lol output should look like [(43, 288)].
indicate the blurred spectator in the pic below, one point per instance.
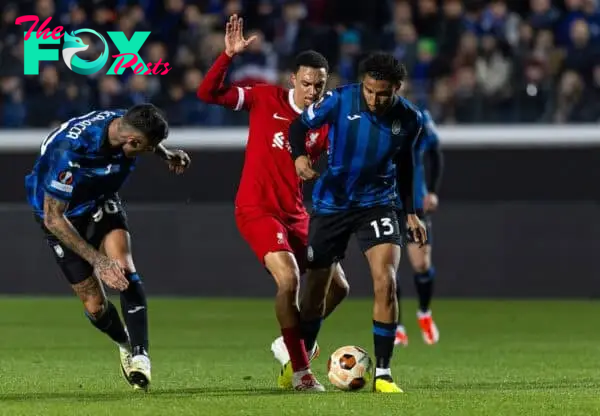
[(13, 105), (44, 107), (533, 95), (258, 64), (467, 96), (469, 61), (569, 97), (493, 69), (427, 19), (543, 14), (582, 55), (350, 49)]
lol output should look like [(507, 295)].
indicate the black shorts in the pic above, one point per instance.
[(408, 235), (328, 235), (93, 227)]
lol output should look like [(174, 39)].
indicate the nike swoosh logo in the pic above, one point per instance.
[(74, 165), (136, 309), (353, 117), (278, 117)]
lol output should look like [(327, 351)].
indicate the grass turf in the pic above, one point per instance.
[(211, 357)]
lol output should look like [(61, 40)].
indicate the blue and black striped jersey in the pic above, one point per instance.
[(77, 166), (364, 149)]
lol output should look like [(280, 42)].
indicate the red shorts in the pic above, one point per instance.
[(267, 234)]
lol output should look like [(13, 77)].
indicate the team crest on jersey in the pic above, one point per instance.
[(65, 177), (59, 251), (312, 139), (396, 127)]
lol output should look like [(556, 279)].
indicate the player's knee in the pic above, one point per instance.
[(94, 306), (421, 265), (287, 284), (341, 290), (340, 286), (126, 261)]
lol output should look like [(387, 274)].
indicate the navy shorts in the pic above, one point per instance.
[(93, 227), (328, 235)]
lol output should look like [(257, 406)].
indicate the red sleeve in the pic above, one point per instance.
[(321, 143), (213, 90)]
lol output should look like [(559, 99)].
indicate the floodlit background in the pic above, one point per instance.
[(514, 86)]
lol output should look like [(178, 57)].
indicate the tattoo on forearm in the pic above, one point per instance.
[(63, 230)]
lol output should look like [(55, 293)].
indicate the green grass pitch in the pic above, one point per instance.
[(212, 357)]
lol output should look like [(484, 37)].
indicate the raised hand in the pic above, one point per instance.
[(234, 36)]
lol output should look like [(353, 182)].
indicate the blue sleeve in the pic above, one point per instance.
[(418, 134), (63, 173), (431, 131), (323, 111)]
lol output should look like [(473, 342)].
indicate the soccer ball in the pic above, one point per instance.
[(349, 368)]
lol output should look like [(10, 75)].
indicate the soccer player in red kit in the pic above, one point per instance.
[(269, 209)]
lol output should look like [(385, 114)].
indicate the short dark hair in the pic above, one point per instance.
[(383, 67), (311, 59), (148, 120)]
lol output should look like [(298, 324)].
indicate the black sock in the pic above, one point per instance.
[(424, 286), (383, 338), (309, 331), (135, 314), (399, 295), (110, 323)]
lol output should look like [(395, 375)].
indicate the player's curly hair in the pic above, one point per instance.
[(383, 67), (311, 59), (148, 120)]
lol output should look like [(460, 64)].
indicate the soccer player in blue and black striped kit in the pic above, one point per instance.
[(372, 133), (419, 255), (73, 192)]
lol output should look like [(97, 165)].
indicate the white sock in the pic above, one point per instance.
[(302, 373), (426, 314), (400, 328), (383, 372)]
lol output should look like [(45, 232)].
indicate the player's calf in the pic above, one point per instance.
[(424, 273), (313, 303), (383, 261), (100, 311), (134, 307), (424, 278), (284, 269), (116, 245)]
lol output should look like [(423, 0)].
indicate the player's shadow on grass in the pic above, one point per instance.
[(125, 395)]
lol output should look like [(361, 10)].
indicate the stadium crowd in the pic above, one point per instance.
[(469, 61)]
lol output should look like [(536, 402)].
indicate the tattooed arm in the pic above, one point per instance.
[(106, 269), (61, 227)]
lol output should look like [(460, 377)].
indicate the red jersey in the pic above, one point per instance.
[(269, 181)]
